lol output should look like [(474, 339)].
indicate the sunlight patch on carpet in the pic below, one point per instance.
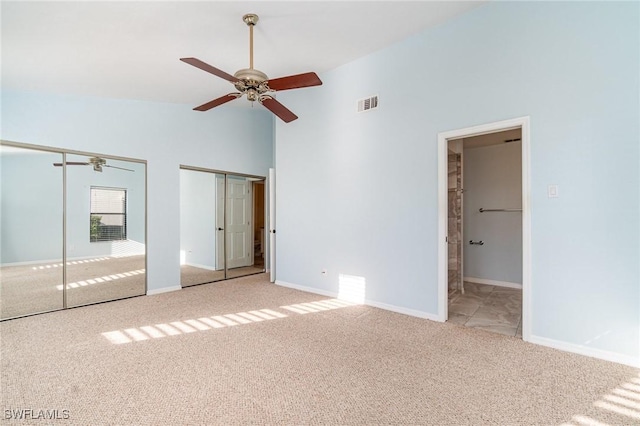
[(318, 306), (175, 328), (623, 401)]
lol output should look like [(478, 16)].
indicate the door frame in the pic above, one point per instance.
[(524, 124), (271, 224)]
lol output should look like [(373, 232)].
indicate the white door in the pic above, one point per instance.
[(238, 231), (219, 222)]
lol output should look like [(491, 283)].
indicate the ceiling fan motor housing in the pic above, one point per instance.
[(252, 82)]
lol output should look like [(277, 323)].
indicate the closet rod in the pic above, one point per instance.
[(499, 210)]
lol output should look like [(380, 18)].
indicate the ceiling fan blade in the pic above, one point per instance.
[(297, 81), (116, 167), (208, 68), (278, 109), (219, 101), (71, 163)]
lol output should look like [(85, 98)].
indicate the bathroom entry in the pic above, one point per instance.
[(484, 236)]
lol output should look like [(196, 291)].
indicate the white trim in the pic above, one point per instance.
[(163, 290), (586, 350), (443, 137), (493, 282), (402, 310), (307, 289), (372, 303), (271, 225)]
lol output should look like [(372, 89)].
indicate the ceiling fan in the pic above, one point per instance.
[(97, 163), (254, 83)]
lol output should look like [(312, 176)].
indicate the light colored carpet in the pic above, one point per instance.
[(248, 352)]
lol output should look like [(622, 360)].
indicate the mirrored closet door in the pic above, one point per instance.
[(72, 227), (222, 220), (31, 202), (105, 229)]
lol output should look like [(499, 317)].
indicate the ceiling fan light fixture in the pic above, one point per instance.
[(252, 95)]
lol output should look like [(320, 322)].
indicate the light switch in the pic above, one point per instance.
[(553, 191)]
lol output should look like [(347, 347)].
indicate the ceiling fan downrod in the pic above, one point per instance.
[(252, 82), (251, 20)]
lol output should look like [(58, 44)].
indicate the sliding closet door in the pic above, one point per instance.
[(105, 229), (31, 219), (222, 226), (202, 225)]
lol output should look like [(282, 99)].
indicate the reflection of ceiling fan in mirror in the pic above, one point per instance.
[(97, 163), (254, 83)]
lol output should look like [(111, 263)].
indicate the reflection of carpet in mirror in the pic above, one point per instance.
[(26, 289), (191, 275)]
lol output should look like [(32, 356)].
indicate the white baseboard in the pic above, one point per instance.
[(402, 310), (493, 282), (373, 303), (163, 290), (586, 350), (307, 289)]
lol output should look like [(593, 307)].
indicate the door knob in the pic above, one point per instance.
[(220, 229)]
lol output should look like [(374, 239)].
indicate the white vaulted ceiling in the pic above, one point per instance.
[(131, 50)]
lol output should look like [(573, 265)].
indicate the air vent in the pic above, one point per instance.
[(367, 104)]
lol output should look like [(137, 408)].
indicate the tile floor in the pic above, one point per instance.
[(487, 307)]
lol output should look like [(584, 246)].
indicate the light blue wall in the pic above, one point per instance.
[(359, 191), (166, 135)]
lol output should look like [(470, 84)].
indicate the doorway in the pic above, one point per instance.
[(484, 227)]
